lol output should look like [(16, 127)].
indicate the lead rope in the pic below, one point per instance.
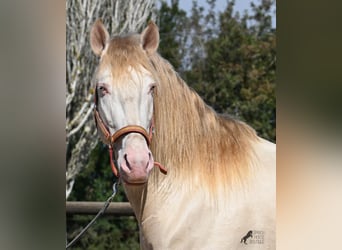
[(103, 209)]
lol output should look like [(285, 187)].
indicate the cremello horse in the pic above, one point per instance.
[(220, 181)]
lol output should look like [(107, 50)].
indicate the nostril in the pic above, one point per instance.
[(150, 159), (127, 162)]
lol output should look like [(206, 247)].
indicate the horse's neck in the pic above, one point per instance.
[(146, 200), (166, 214)]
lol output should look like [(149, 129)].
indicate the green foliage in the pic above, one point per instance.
[(172, 33), (237, 74), (108, 232)]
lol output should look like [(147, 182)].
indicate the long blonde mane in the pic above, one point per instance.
[(198, 146)]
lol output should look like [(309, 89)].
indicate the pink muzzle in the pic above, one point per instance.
[(137, 162)]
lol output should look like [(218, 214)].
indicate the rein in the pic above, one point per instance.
[(111, 139)]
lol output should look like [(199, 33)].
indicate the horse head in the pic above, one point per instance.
[(124, 86)]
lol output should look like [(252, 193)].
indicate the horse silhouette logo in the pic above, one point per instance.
[(245, 238)]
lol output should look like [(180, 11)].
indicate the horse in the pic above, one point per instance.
[(216, 177), (245, 238)]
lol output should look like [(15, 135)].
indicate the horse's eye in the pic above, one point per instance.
[(152, 87), (102, 90)]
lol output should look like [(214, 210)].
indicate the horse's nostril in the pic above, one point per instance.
[(127, 162)]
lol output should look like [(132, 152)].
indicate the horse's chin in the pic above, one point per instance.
[(134, 181)]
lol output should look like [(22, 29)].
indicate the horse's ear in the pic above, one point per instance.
[(150, 38), (99, 37)]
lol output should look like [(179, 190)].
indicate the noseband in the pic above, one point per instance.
[(111, 139)]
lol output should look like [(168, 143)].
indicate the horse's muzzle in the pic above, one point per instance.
[(135, 165)]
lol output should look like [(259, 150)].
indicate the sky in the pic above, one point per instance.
[(240, 5)]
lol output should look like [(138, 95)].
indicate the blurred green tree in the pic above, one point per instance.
[(173, 23), (95, 184), (236, 75)]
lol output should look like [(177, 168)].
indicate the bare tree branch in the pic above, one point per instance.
[(119, 16)]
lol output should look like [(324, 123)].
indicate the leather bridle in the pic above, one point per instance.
[(111, 139)]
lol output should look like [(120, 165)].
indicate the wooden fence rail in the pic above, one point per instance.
[(86, 207)]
